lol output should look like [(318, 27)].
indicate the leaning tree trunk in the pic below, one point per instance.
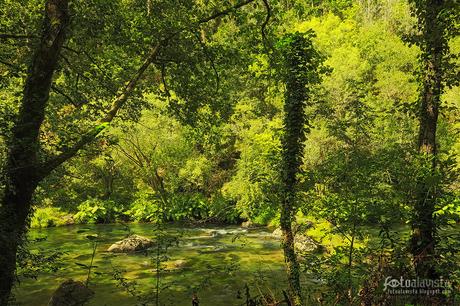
[(22, 170), (434, 47), (300, 69)]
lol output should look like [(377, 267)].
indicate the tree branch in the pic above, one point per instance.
[(225, 12), (17, 36), (120, 100), (267, 19), (68, 98), (210, 59)]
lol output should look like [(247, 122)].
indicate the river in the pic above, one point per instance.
[(214, 262)]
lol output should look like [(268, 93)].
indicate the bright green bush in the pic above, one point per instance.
[(144, 209), (178, 207), (255, 185), (48, 217), (97, 211), (187, 207), (222, 210)]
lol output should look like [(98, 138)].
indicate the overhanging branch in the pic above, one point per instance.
[(121, 99)]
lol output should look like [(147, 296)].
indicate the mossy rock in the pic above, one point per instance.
[(133, 243), (71, 293)]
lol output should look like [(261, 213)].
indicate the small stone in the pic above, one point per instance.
[(214, 234), (250, 224), (302, 243)]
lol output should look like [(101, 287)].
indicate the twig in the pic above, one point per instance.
[(211, 61), (16, 36), (59, 91)]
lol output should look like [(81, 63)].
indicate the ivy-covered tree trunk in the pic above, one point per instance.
[(434, 46), (300, 69), (22, 169)]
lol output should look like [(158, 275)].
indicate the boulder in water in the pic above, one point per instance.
[(71, 293), (250, 224), (133, 243), (247, 224)]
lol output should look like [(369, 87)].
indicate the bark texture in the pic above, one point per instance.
[(423, 224), (22, 167)]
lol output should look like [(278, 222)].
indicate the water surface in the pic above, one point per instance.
[(214, 262)]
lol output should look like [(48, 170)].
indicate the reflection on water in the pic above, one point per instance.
[(214, 261)]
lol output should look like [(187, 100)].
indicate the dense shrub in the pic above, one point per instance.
[(48, 217), (98, 211), (145, 208)]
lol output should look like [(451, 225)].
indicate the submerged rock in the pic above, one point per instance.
[(71, 293), (131, 244), (215, 233)]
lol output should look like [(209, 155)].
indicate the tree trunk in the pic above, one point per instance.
[(22, 170), (423, 224), (301, 69), (292, 147), (294, 136), (292, 265)]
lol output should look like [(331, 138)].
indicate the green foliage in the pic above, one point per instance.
[(98, 211), (253, 187), (145, 208), (448, 211), (34, 260), (187, 207), (48, 217), (222, 210), (202, 136)]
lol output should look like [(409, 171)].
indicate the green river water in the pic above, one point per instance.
[(215, 262)]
